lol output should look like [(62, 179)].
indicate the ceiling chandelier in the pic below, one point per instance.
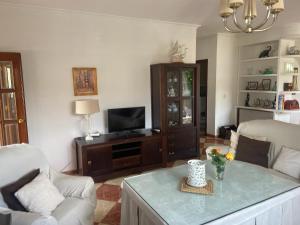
[(230, 8)]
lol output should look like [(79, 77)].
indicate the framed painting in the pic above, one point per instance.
[(84, 81)]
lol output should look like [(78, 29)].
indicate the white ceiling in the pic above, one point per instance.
[(201, 12)]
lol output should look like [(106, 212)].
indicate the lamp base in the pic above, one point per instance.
[(89, 138)]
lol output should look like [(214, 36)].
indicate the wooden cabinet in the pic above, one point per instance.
[(175, 108), (111, 155), (98, 159)]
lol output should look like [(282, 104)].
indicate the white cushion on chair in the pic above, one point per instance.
[(40, 196), (288, 162)]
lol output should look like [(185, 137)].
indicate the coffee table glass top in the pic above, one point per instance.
[(243, 185)]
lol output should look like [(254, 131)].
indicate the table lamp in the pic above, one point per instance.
[(86, 108)]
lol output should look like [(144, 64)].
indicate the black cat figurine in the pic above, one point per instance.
[(266, 52)]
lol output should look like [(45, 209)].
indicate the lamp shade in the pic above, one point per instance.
[(85, 107), (278, 7), (225, 11)]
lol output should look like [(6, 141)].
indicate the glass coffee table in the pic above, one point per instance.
[(246, 189)]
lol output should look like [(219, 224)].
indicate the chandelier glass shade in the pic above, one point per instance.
[(229, 8)]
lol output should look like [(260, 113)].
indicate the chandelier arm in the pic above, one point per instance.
[(236, 21), (267, 28), (228, 28), (266, 18)]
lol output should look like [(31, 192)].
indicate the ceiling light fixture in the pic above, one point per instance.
[(230, 7)]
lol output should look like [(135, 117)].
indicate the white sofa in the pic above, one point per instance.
[(79, 192), (278, 133)]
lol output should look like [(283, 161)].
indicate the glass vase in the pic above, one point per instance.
[(220, 169)]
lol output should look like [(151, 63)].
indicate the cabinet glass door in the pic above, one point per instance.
[(173, 113), (187, 82), (173, 84), (187, 94), (187, 111)]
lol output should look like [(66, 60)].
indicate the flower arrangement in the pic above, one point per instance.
[(220, 160)]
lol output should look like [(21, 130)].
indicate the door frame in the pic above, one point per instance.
[(15, 58), (205, 62)]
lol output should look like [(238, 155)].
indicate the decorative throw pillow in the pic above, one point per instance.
[(253, 151), (288, 162), (8, 191), (234, 139), (40, 196)]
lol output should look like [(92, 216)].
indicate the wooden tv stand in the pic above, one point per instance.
[(113, 155)]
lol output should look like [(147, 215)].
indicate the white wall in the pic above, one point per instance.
[(207, 49), (53, 41), (221, 51), (226, 81)]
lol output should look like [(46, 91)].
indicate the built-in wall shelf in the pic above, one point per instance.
[(260, 59), (290, 92), (257, 108), (258, 91), (269, 110), (260, 75), (280, 67), (290, 56), (290, 74), (288, 111)]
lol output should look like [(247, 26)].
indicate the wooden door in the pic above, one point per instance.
[(13, 126)]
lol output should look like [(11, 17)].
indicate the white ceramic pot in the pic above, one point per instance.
[(196, 173)]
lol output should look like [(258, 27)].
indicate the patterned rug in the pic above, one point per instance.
[(108, 209)]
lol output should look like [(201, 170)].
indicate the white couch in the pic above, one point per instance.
[(79, 192), (278, 133)]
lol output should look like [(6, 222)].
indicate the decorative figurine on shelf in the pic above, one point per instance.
[(171, 92), (266, 53), (247, 100), (266, 71), (293, 50), (274, 103), (177, 52)]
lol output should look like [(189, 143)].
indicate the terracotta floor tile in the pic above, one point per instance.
[(114, 215), (103, 207), (109, 192)]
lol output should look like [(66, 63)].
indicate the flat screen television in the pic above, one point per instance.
[(125, 119)]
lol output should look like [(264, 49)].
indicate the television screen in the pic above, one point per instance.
[(126, 119)]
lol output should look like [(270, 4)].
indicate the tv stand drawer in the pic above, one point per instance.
[(126, 162)]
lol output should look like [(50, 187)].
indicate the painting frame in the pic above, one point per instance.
[(266, 84), (252, 85), (85, 81)]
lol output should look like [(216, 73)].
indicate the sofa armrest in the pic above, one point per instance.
[(28, 218), (74, 186)]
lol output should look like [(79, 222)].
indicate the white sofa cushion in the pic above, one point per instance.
[(40, 196), (288, 162)]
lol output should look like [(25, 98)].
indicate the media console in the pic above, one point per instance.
[(113, 155)]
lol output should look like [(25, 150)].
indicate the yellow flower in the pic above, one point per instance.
[(229, 156)]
